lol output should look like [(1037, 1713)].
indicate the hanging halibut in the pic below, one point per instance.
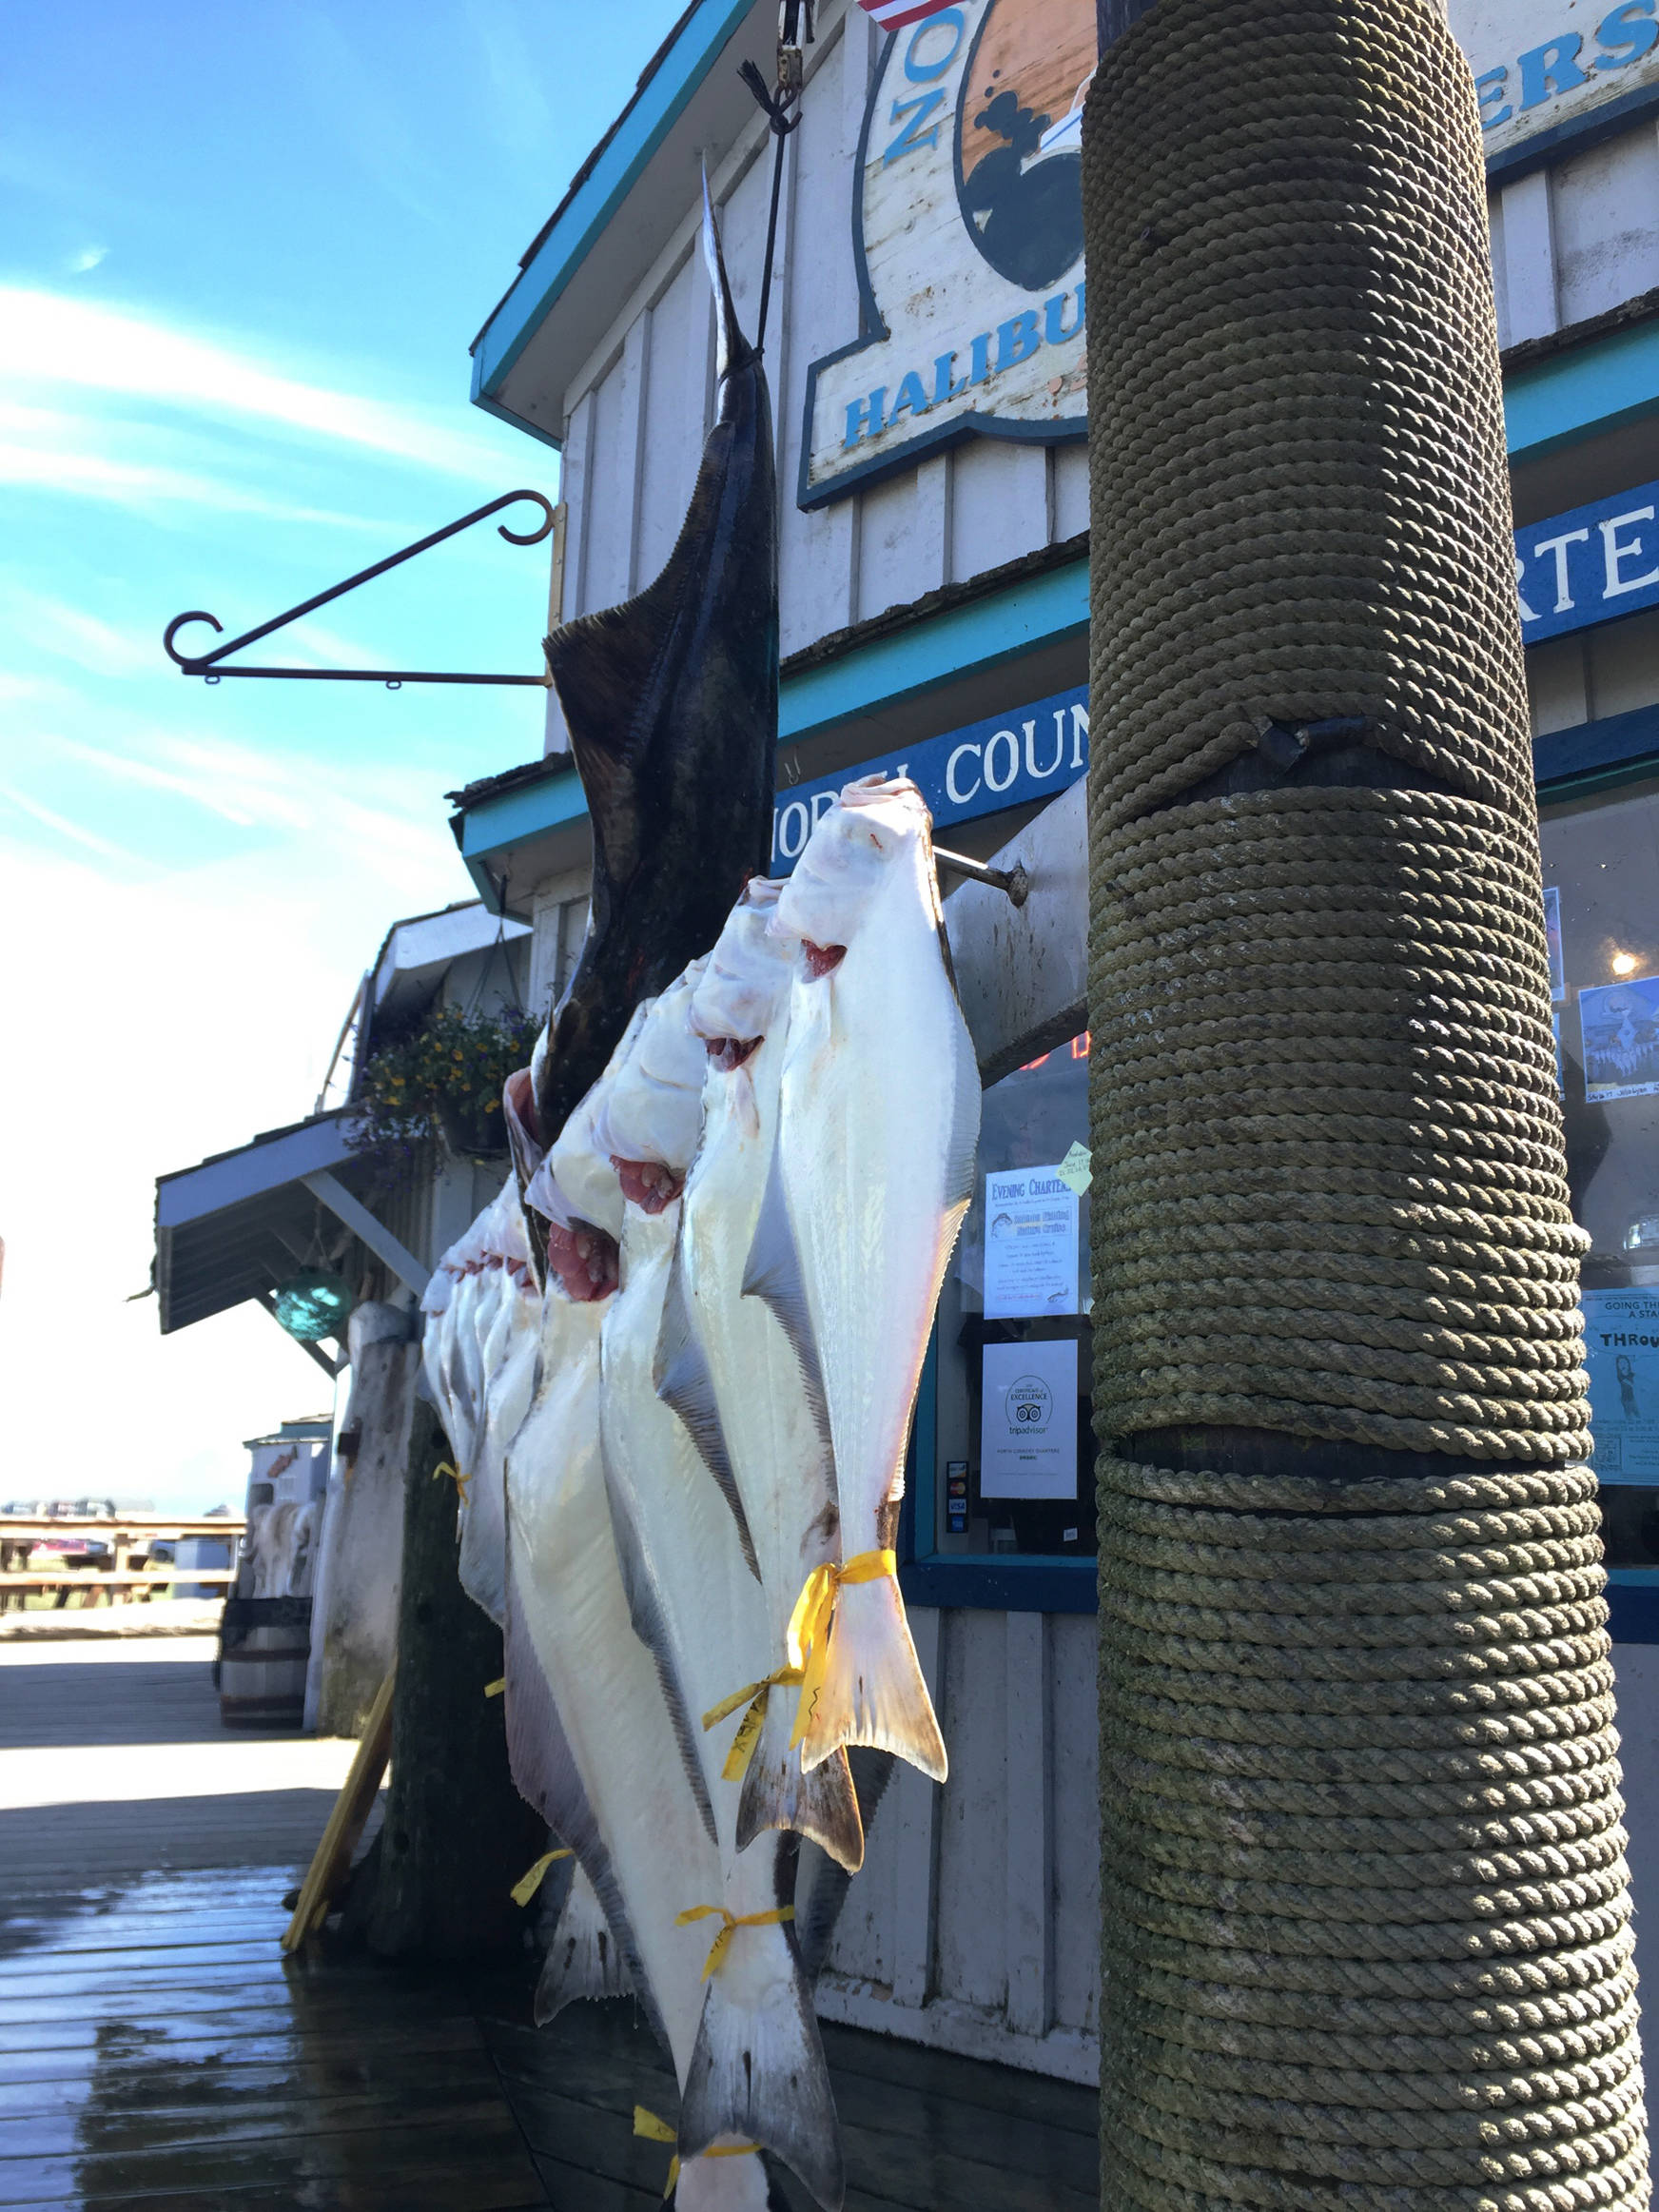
[(725, 1363), (671, 701), (757, 2071), (878, 1129)]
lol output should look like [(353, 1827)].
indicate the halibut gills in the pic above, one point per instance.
[(671, 701), (757, 2071), (726, 1357), (878, 1132)]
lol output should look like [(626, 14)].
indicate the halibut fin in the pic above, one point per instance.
[(583, 1958), (545, 1774), (649, 1616), (777, 1794), (680, 1373), (773, 1274), (873, 1691), (758, 2074)]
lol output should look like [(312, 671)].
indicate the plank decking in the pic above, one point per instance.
[(157, 2052)]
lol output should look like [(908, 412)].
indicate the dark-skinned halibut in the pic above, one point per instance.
[(671, 701)]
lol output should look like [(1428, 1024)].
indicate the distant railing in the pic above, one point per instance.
[(126, 1534)]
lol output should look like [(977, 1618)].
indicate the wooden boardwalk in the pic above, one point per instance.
[(157, 2052)]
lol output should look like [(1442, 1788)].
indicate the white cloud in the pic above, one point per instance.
[(88, 259), (70, 633), (53, 341), (85, 475), (61, 826), (153, 1021)]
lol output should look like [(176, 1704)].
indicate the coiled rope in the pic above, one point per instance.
[(1366, 1911)]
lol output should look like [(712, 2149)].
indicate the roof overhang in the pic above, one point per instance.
[(242, 1223), (689, 106)]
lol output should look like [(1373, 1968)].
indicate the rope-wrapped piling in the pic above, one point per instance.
[(1366, 1911)]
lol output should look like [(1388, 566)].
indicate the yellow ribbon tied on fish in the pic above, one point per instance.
[(448, 1467), (523, 1889), (654, 2130), (812, 1623), (498, 1687), (733, 1922), (755, 1696)]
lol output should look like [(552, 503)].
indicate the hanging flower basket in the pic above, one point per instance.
[(440, 1084)]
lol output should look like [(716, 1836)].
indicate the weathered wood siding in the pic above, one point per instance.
[(638, 414), (975, 1924)]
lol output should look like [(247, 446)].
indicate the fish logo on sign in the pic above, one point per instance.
[(967, 227)]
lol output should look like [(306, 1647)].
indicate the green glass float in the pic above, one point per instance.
[(314, 1303)]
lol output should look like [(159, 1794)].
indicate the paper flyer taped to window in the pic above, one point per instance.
[(1620, 1023), (1621, 1344), (1031, 1244), (1028, 1420), (1552, 934)]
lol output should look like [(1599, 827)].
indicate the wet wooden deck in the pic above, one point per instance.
[(157, 2050)]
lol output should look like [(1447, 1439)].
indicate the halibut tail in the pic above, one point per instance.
[(778, 1793), (584, 1959), (863, 1681), (758, 2072)]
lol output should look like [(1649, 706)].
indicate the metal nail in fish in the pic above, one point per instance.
[(758, 2072), (671, 701), (877, 1134), (729, 1367)]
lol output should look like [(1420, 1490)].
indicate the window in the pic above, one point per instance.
[(1601, 896), (1004, 1467)]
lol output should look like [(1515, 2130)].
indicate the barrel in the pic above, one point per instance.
[(265, 1646)]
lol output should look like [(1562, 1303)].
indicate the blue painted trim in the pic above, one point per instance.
[(1579, 135), (644, 125), (1037, 611), (1633, 1605), (506, 415), (1616, 741), (1594, 389), (1003, 1585), (510, 818)]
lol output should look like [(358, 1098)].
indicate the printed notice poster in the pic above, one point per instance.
[(1031, 1244), (1621, 1343), (1029, 1422), (1553, 934), (1621, 1040)]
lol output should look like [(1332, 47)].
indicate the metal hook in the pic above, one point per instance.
[(1015, 881), (205, 664)]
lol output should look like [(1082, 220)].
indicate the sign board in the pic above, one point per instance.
[(1030, 1244), (1539, 64), (1007, 760), (967, 235), (1028, 1420), (1589, 566), (1621, 1349), (968, 212)]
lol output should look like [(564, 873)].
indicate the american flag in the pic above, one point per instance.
[(895, 14)]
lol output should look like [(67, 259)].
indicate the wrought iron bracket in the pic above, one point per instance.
[(209, 665)]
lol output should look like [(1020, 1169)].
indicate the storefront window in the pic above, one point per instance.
[(1012, 1455), (1601, 896)]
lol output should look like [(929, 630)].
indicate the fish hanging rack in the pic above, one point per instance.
[(212, 666)]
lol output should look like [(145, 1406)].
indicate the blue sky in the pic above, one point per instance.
[(243, 252)]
